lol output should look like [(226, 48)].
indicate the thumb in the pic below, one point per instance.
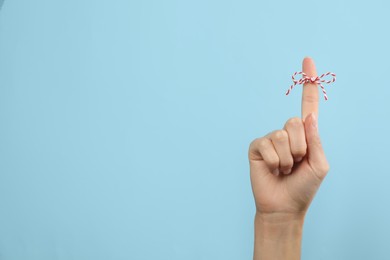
[(316, 155)]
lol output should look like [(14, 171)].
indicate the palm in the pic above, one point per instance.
[(284, 193)]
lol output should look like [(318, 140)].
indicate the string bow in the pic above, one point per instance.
[(316, 80)]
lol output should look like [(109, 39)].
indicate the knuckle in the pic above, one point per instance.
[(287, 164), (262, 143), (299, 151), (252, 144), (273, 162), (325, 168), (280, 136), (256, 146), (311, 99), (294, 122)]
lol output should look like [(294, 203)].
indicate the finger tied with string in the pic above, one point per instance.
[(319, 80)]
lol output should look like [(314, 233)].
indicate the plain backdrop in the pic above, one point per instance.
[(125, 125)]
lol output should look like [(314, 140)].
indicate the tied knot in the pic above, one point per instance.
[(313, 79), (316, 80)]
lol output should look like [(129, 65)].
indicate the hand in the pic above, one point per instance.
[(287, 166)]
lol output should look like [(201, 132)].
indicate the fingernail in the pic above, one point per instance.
[(287, 172), (276, 172)]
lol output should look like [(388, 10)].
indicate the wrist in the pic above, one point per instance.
[(278, 236), (279, 225), (279, 218)]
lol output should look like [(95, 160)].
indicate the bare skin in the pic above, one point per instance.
[(287, 167)]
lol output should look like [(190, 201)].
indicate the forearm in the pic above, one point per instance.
[(278, 237)]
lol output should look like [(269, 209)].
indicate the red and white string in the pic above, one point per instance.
[(316, 80)]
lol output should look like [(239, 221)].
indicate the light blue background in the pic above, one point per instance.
[(125, 125)]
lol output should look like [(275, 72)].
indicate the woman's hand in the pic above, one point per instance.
[(287, 167)]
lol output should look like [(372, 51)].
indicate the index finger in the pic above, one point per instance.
[(310, 90)]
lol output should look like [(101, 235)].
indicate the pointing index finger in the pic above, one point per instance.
[(310, 90)]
